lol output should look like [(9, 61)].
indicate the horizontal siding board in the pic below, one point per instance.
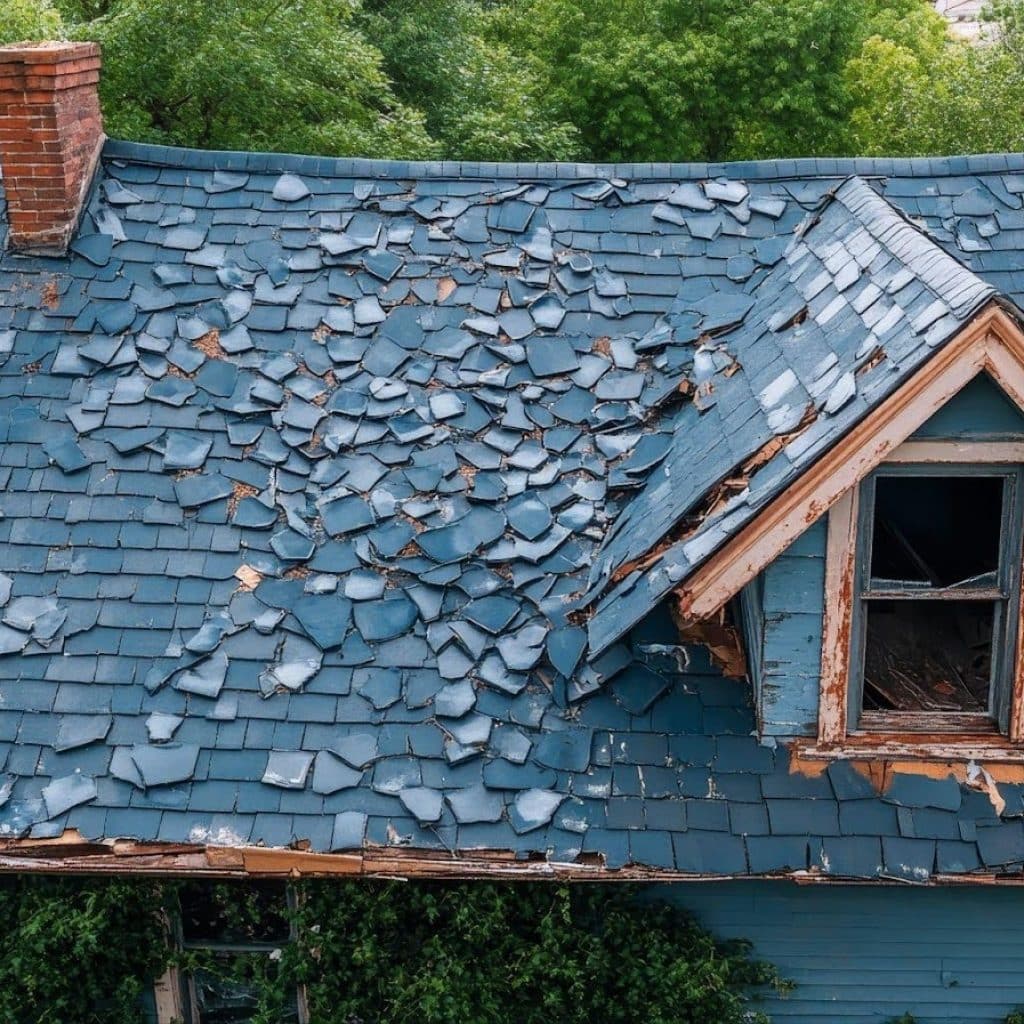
[(865, 955), (981, 409)]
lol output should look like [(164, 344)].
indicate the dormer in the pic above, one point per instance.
[(891, 626), (866, 539)]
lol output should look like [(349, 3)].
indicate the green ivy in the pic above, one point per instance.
[(83, 951), (78, 951), (384, 953)]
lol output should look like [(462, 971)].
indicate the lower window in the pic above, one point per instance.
[(232, 936)]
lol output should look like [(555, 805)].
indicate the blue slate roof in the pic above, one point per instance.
[(786, 359), (313, 471)]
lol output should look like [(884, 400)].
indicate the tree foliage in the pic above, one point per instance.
[(29, 19), (81, 951), (481, 100), (250, 74), (914, 90), (548, 79), (666, 80)]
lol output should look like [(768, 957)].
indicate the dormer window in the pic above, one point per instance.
[(921, 654), (937, 572)]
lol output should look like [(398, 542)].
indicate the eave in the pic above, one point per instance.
[(70, 854)]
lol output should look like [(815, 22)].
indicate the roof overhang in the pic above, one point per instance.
[(70, 854)]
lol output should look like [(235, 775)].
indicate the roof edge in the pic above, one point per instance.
[(781, 169), (70, 854)]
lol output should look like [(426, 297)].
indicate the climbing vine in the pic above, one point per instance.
[(76, 951), (84, 951)]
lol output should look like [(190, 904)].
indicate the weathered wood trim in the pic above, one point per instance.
[(945, 747), (840, 569), (1004, 360), (1016, 716), (396, 864), (167, 989), (167, 996), (172, 860), (971, 723), (991, 341), (981, 452)]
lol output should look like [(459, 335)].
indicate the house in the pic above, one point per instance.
[(655, 522), (964, 17)]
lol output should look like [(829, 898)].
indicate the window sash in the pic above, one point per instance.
[(1004, 596)]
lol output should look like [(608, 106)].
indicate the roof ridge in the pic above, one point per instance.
[(907, 242), (775, 169)]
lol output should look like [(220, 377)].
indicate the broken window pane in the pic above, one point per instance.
[(922, 655), (228, 993), (238, 932), (936, 531)]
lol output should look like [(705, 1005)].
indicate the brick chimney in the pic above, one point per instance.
[(51, 132)]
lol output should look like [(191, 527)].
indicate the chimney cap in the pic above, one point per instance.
[(47, 51)]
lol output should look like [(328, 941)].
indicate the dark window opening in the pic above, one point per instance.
[(255, 914), (936, 531), (237, 933), (938, 570)]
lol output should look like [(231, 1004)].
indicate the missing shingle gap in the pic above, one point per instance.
[(238, 492), (876, 357), (49, 295), (794, 321), (248, 578), (718, 636), (718, 497), (209, 345)]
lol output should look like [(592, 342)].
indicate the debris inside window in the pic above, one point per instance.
[(928, 655)]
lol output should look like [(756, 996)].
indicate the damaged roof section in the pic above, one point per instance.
[(304, 465), (859, 299)]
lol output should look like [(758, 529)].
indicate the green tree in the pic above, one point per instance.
[(481, 100), (29, 19), (249, 74), (922, 92), (674, 80)]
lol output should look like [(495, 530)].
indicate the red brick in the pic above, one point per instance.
[(50, 133)]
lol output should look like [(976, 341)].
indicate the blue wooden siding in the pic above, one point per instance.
[(786, 634), (866, 954), (980, 410)]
